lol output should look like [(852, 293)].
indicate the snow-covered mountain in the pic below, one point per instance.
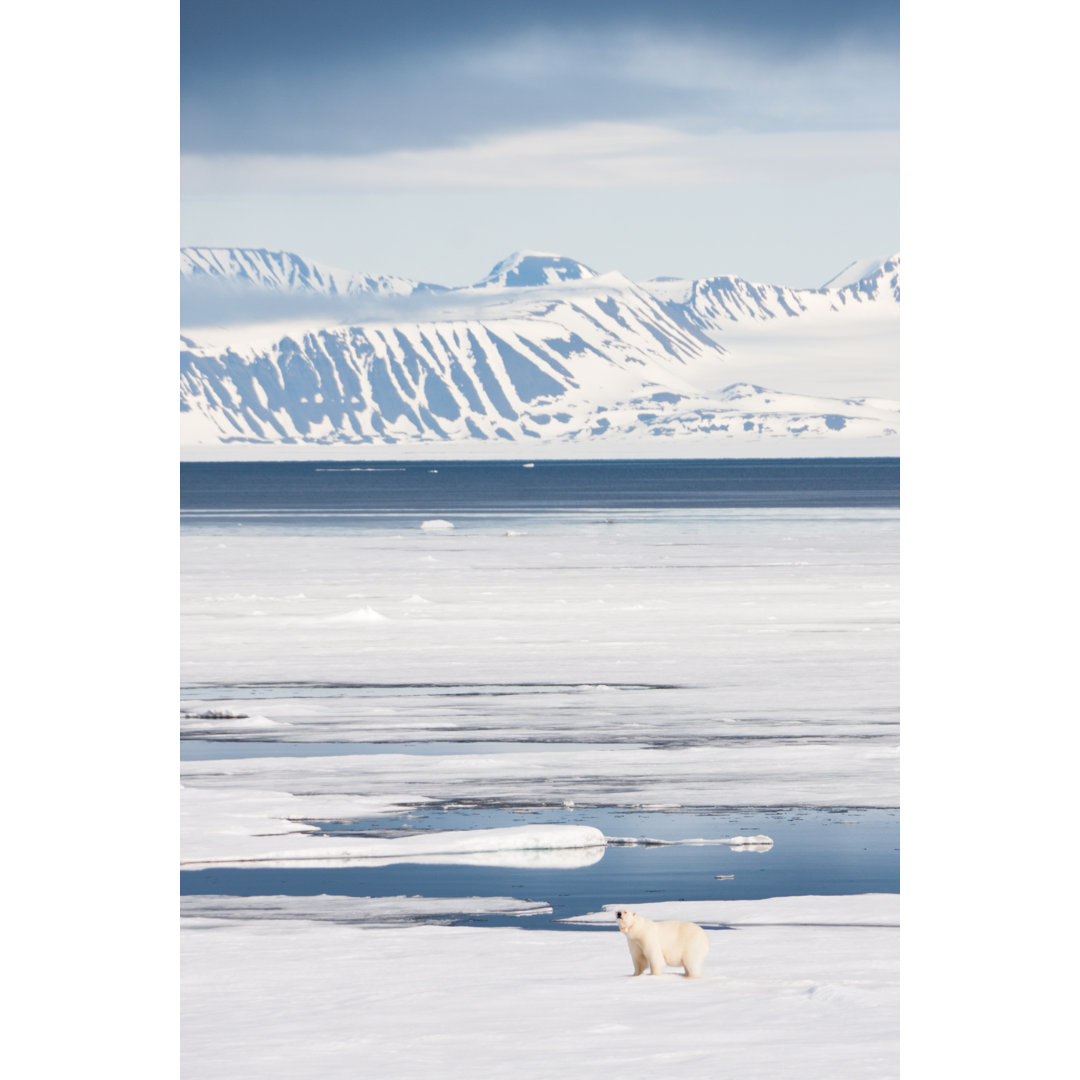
[(543, 350), (868, 279), (529, 268), (281, 272)]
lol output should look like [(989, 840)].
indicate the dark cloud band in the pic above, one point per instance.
[(358, 77)]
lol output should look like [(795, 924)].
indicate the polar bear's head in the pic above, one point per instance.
[(625, 919)]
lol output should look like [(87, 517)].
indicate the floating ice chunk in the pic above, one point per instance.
[(529, 465), (436, 523), (750, 843), (364, 614), (515, 532)]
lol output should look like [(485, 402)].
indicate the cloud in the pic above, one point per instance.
[(373, 100), (208, 303), (592, 155)]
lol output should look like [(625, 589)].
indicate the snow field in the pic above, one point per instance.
[(306, 998)]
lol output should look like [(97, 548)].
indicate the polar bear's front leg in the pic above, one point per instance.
[(637, 954)]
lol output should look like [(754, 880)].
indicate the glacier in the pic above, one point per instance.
[(543, 356)]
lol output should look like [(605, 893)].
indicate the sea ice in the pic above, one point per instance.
[(750, 661), (356, 910), (795, 993), (863, 909), (229, 826)]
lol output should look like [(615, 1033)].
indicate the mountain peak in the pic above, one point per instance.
[(525, 268), (864, 270)]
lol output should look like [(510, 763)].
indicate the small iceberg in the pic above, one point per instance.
[(436, 523)]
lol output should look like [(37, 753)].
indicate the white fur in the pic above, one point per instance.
[(654, 944)]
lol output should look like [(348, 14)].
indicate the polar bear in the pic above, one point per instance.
[(654, 944)]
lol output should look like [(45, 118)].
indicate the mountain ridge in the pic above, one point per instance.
[(541, 350)]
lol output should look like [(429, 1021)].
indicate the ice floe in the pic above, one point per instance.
[(230, 826), (863, 909), (212, 722), (758, 843), (365, 910), (360, 615), (850, 772)]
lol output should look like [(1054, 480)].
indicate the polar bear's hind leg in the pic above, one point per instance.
[(694, 955)]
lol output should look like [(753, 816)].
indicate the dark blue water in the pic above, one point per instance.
[(439, 487), (815, 852)]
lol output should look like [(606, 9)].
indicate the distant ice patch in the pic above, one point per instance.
[(225, 722), (364, 614), (755, 843), (214, 714), (436, 523), (750, 843)]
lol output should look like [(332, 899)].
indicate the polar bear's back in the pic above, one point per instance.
[(681, 941)]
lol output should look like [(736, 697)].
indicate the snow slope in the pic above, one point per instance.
[(543, 352)]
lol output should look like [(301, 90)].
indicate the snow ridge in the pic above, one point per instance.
[(282, 271)]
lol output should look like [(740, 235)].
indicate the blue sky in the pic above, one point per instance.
[(431, 139)]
